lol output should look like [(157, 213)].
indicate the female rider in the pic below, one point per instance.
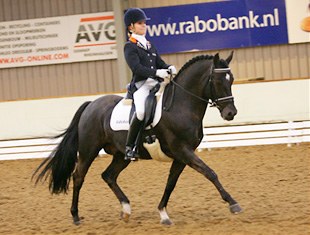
[(146, 66)]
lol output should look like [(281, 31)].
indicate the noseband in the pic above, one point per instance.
[(214, 102), (217, 101)]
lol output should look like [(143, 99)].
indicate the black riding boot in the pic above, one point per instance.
[(133, 131)]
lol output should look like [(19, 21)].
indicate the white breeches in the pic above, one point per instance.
[(140, 96)]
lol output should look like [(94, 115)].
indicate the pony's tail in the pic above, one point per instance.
[(61, 162)]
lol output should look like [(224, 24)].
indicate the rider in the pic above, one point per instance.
[(146, 66)]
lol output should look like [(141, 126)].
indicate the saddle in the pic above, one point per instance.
[(125, 108)]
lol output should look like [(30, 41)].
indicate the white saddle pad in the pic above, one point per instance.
[(120, 114)]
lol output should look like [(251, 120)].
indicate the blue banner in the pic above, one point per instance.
[(217, 25)]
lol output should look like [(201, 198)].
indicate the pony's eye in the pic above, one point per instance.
[(227, 76)]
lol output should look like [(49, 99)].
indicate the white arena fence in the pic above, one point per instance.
[(214, 137)]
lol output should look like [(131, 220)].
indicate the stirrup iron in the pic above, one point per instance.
[(131, 154)]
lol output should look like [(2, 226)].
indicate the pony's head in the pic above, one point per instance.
[(221, 81)]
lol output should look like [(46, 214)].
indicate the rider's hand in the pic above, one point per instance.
[(162, 73), (172, 69)]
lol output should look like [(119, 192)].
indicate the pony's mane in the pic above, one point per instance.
[(194, 60)]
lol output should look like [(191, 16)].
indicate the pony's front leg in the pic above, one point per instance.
[(110, 176), (175, 171), (192, 160)]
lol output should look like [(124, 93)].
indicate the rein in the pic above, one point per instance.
[(190, 93), (214, 102)]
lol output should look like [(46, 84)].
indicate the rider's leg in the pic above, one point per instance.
[(135, 126), (136, 123)]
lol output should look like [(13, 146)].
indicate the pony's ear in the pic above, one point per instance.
[(216, 60), (229, 58)]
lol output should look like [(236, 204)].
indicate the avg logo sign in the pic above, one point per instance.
[(96, 31)]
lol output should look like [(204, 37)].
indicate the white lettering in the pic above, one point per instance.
[(223, 23), (211, 25), (190, 28), (233, 23), (200, 25), (253, 20), (220, 23)]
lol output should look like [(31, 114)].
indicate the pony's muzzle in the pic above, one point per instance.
[(229, 112)]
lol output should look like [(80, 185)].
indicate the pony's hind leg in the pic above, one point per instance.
[(83, 164), (110, 176)]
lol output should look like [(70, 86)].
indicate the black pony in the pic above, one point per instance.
[(179, 132)]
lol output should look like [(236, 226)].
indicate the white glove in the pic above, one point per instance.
[(162, 73), (173, 69)]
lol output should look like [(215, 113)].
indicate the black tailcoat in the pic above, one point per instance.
[(142, 62)]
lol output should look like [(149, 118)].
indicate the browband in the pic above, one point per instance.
[(221, 70)]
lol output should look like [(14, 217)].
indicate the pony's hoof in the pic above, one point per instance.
[(235, 209), (125, 216), (166, 222), (77, 221)]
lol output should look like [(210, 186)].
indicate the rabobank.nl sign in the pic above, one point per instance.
[(217, 25)]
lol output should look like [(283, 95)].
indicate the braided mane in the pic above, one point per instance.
[(194, 60)]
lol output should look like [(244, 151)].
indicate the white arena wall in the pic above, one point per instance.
[(263, 102), (266, 102)]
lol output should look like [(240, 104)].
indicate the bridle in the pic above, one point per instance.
[(217, 101), (214, 102)]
